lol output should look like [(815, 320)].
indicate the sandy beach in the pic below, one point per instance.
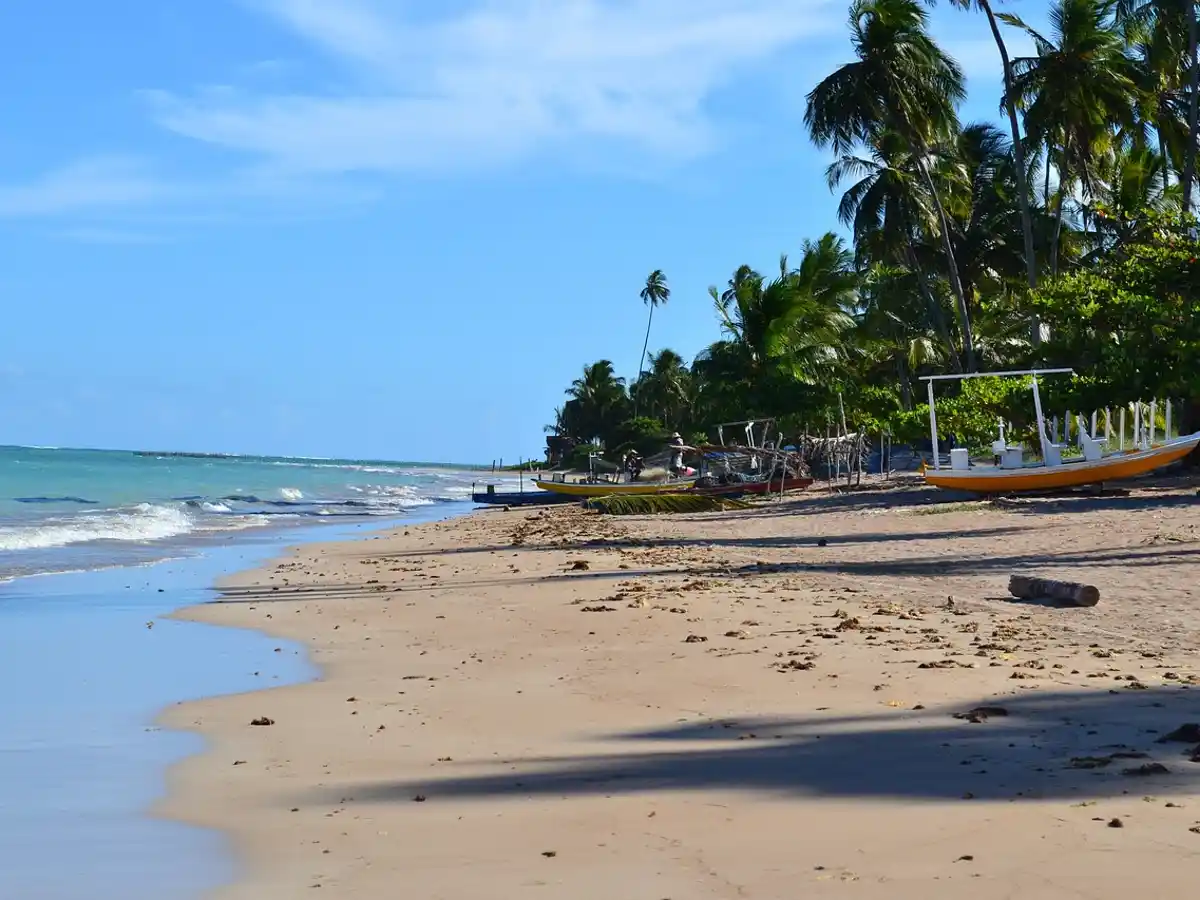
[(832, 696)]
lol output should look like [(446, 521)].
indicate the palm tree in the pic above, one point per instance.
[(598, 401), (655, 293), (901, 81), (891, 215), (1018, 147), (1193, 134), (666, 388), (1075, 92)]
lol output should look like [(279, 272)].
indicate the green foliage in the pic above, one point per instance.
[(643, 434), (577, 459), (658, 504), (1131, 323)]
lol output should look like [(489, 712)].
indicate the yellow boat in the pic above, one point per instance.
[(1072, 473), (1011, 475), (608, 488)]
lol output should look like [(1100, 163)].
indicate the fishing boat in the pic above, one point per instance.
[(1011, 474), (492, 497), (586, 488)]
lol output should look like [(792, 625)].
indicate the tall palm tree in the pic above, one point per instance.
[(1075, 92), (655, 293), (1018, 147), (598, 401), (901, 81)]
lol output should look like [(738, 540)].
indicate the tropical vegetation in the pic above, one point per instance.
[(1065, 239)]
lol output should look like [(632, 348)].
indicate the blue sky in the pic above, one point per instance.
[(388, 228)]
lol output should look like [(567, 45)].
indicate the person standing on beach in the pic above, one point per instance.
[(677, 446)]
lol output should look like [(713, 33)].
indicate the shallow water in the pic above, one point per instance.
[(84, 675)]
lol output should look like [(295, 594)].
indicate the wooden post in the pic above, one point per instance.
[(1153, 422), (1167, 437), (1093, 435), (1028, 587), (1107, 426), (1122, 417)]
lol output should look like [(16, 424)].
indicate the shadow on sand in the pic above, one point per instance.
[(1045, 745)]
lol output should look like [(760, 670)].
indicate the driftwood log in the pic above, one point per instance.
[(1029, 588)]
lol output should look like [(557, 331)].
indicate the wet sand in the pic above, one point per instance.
[(832, 696)]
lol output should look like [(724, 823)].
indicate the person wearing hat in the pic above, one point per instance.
[(677, 446)]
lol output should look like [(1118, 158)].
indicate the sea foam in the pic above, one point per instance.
[(141, 523)]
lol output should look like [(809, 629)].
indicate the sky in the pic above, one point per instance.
[(390, 228)]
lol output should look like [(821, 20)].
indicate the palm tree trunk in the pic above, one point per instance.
[(935, 309), (1189, 166), (1058, 217), (964, 313), (1010, 106), (1166, 162), (642, 361)]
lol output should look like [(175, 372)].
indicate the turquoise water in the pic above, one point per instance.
[(67, 510), (88, 660)]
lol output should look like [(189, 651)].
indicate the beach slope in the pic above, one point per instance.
[(830, 697)]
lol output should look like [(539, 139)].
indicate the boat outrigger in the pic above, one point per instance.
[(1012, 474)]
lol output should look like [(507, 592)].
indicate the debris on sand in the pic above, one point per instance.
[(695, 639), (1188, 733), (1152, 768), (600, 608), (1089, 762), (982, 714), (262, 720), (795, 665), (580, 565)]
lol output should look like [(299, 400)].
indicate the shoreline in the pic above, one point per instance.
[(681, 744), (75, 714)]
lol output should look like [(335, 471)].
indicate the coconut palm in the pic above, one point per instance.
[(665, 389), (891, 214), (901, 81), (656, 293), (599, 402), (1075, 92), (1010, 108)]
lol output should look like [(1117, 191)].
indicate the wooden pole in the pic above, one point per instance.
[(1028, 587), (933, 426), (1153, 421), (1167, 436), (1093, 425), (1122, 417)]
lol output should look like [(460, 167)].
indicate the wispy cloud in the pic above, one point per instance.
[(103, 182), (498, 82)]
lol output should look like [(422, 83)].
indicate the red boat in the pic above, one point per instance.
[(764, 486)]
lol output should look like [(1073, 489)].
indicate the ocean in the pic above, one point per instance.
[(89, 654), (73, 510)]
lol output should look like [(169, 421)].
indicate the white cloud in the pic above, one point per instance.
[(499, 81), (89, 184)]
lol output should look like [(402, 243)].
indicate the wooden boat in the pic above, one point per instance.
[(1052, 472), (1070, 473), (580, 489), (737, 488), (493, 497)]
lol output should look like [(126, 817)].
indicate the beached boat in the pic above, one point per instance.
[(1052, 472), (581, 489), (758, 487), (493, 497)]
